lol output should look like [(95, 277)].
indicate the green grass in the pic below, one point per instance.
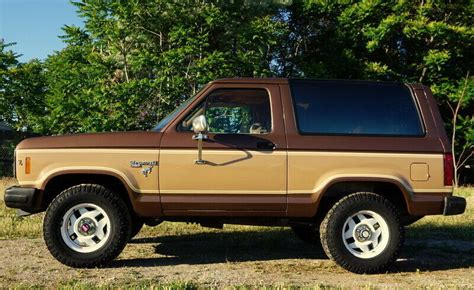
[(147, 284), (152, 284), (447, 227), (12, 226)]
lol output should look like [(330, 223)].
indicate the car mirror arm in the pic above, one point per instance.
[(200, 137), (199, 128)]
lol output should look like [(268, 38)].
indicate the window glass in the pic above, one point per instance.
[(234, 111), (172, 115), (355, 108)]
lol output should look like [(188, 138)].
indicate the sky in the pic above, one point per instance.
[(35, 25)]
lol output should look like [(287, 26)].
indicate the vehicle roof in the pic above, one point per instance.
[(252, 80), (287, 80)]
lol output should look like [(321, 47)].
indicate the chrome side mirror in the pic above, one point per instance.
[(200, 127), (199, 124)]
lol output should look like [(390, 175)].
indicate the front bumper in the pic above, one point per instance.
[(454, 205), (23, 198)]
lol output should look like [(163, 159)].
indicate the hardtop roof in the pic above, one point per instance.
[(289, 80)]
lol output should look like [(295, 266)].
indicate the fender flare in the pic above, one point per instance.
[(306, 204), (404, 187), (144, 204)]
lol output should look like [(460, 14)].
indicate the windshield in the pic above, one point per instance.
[(172, 115)]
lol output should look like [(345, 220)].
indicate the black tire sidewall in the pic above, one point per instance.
[(335, 225), (53, 223)]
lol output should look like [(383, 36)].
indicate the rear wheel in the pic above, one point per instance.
[(362, 233), (86, 226)]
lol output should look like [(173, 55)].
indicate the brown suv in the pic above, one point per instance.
[(349, 163)]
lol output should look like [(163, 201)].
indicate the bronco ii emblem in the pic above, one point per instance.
[(147, 166)]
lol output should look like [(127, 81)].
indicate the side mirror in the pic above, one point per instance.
[(199, 124), (200, 127)]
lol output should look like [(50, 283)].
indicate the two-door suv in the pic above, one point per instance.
[(349, 163)]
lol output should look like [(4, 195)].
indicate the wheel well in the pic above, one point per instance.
[(61, 182), (338, 190)]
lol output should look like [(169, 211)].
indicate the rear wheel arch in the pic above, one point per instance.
[(390, 189)]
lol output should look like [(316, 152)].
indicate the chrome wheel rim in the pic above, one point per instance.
[(365, 234), (85, 228)]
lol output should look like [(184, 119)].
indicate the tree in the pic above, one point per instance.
[(22, 88), (463, 145), (135, 61), (8, 61), (427, 41)]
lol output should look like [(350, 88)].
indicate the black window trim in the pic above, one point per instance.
[(412, 94)]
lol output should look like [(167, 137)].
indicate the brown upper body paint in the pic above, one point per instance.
[(134, 139), (241, 178)]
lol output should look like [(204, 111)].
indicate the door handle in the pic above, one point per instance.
[(268, 145)]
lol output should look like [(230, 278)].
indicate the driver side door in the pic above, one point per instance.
[(244, 172)]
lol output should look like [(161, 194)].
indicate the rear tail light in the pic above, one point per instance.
[(448, 169)]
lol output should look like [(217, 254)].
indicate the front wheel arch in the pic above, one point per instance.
[(58, 183)]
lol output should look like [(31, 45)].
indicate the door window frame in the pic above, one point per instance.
[(204, 100), (174, 139)]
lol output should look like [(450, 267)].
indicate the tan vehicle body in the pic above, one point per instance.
[(238, 180), (419, 176)]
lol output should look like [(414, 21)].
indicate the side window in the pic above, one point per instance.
[(355, 108), (234, 111)]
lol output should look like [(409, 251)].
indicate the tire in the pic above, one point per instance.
[(86, 226), (137, 225), (362, 233), (308, 234)]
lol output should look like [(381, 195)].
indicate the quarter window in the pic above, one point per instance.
[(355, 108)]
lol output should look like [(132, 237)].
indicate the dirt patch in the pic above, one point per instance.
[(241, 258)]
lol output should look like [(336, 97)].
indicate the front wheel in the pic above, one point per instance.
[(86, 225), (362, 233)]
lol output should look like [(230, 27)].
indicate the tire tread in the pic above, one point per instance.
[(107, 254), (327, 231)]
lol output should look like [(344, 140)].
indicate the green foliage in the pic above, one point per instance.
[(228, 120), (21, 89), (410, 41), (135, 61), (430, 41)]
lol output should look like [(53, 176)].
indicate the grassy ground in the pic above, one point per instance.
[(448, 227), (186, 256), (12, 226)]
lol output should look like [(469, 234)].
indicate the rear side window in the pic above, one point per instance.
[(355, 108)]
